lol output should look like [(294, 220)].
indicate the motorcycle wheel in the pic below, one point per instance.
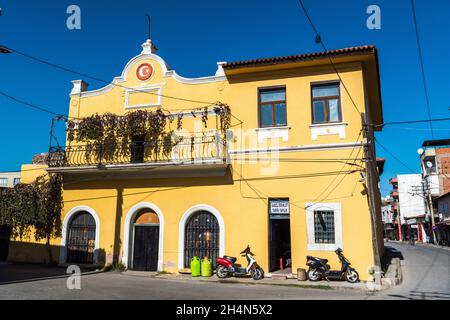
[(257, 273), (314, 275), (222, 272), (352, 276)]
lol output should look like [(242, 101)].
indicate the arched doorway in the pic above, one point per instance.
[(201, 237), (81, 236), (145, 244)]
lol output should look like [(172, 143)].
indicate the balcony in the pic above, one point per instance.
[(393, 181), (189, 153)]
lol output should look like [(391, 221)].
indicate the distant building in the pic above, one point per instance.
[(393, 200), (9, 179), (443, 226), (412, 205), (435, 164), (388, 216)]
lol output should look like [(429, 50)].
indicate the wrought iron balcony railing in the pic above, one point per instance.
[(192, 149)]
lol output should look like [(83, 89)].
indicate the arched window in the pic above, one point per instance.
[(81, 239), (201, 237)]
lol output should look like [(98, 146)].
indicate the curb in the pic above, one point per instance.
[(266, 282)]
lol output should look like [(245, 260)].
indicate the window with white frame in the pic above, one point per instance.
[(3, 182), (324, 226)]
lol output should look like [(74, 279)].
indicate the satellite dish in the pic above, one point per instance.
[(429, 164), (420, 151)]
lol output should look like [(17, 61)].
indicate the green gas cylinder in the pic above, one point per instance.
[(206, 267), (195, 267)]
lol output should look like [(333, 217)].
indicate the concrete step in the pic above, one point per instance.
[(279, 276)]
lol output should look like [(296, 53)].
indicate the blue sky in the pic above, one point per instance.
[(193, 35)]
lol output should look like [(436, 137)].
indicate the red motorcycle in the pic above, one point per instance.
[(227, 266)]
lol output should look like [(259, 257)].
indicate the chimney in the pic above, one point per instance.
[(79, 86)]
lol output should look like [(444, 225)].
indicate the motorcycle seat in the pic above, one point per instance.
[(231, 259), (324, 260)]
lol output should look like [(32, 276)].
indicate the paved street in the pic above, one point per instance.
[(426, 273), (426, 276)]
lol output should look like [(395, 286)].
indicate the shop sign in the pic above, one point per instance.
[(278, 207)]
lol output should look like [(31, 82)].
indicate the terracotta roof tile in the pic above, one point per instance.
[(300, 57)]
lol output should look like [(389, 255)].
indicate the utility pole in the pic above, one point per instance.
[(430, 209), (399, 222)]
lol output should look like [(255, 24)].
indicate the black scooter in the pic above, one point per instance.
[(319, 269)]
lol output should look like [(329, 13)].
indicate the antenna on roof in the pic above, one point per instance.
[(148, 21)]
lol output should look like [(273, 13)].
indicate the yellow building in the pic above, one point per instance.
[(294, 175)]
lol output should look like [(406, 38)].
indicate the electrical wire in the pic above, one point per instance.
[(31, 105), (336, 177), (400, 161), (319, 39), (409, 122), (57, 66), (422, 67)]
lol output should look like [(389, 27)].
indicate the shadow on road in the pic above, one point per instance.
[(423, 295), (23, 272), (389, 254)]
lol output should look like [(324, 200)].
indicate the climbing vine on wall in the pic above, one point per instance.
[(34, 209)]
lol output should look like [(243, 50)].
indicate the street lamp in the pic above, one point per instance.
[(4, 49)]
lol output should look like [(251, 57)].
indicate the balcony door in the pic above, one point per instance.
[(137, 149)]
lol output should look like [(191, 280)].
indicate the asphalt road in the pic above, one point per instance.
[(426, 273), (426, 276)]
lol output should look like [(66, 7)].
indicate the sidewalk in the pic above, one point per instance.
[(419, 244), (323, 285)]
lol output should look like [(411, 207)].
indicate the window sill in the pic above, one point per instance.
[(273, 133), (328, 124), (322, 247), (327, 129), (273, 128)]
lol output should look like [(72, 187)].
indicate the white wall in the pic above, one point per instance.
[(386, 214), (10, 178), (411, 204)]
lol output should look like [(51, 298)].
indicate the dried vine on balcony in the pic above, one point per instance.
[(113, 130)]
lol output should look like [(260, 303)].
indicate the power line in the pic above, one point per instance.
[(336, 177), (421, 66), (336, 186), (57, 66), (401, 162), (409, 122), (31, 105), (395, 157), (319, 40)]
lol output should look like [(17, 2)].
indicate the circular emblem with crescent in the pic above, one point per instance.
[(144, 71)]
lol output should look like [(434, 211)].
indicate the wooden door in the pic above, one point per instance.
[(146, 248)]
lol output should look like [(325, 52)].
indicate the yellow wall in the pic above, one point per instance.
[(244, 214)]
